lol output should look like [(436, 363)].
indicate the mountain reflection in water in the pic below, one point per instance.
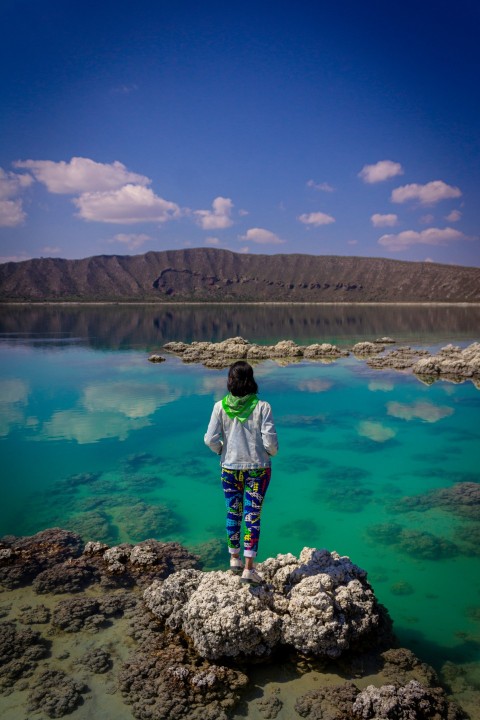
[(117, 326)]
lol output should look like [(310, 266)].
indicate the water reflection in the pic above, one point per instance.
[(117, 326)]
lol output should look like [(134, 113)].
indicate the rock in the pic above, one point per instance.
[(97, 661), (329, 703), (409, 702), (324, 351), (401, 358), (401, 665), (320, 604), (222, 354), (55, 694), (20, 651), (156, 358), (38, 615), (164, 680), (368, 348), (77, 614), (142, 563), (26, 557), (270, 706), (385, 340), (451, 362), (95, 548), (88, 613), (63, 578)]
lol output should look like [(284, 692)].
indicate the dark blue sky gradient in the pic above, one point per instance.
[(246, 101)]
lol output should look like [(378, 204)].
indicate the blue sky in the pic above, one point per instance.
[(347, 128)]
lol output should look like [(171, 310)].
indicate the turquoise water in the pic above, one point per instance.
[(97, 439)]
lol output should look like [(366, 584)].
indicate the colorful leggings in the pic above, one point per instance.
[(254, 483)]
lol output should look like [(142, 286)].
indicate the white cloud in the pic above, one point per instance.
[(375, 431), (352, 242), (131, 240), (81, 175), (218, 218), (323, 187), (244, 250), (11, 208), (426, 219), (132, 399), (382, 170), (11, 213), (130, 204), (454, 216), (380, 385), (14, 258), (242, 213), (51, 250), (261, 236), (212, 241), (384, 220), (314, 385), (428, 194), (432, 236), (428, 259), (13, 391), (74, 424), (12, 184), (316, 218), (426, 411), (13, 396)]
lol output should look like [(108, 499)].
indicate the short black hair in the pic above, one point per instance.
[(240, 379)]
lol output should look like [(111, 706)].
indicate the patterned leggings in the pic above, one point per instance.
[(254, 483)]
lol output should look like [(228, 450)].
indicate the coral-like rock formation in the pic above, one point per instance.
[(222, 354), (192, 642), (164, 680), (22, 559), (53, 562), (55, 693), (450, 363), (20, 651), (409, 702), (320, 604)]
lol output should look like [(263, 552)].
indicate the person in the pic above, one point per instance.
[(241, 430)]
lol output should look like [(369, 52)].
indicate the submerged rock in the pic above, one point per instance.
[(20, 651), (319, 604), (412, 701), (55, 694)]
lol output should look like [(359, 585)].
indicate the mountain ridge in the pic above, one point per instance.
[(217, 275)]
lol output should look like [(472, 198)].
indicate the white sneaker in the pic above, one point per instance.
[(236, 565), (252, 577)]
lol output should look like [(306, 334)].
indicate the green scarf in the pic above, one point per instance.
[(239, 407)]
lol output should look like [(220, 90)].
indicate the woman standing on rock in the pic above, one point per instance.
[(242, 431)]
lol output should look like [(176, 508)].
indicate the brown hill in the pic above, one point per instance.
[(206, 274)]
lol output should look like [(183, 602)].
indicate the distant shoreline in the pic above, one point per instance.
[(74, 303)]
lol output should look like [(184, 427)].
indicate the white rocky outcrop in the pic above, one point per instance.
[(319, 603)]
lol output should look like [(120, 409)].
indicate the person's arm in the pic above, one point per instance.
[(214, 435), (269, 434)]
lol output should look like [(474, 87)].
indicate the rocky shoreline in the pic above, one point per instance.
[(451, 363), (143, 631)]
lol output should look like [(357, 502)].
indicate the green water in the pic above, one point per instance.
[(97, 439)]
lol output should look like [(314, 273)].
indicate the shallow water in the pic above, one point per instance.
[(97, 439)]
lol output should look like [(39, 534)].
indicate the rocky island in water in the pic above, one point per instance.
[(143, 631)]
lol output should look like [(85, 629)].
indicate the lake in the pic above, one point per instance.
[(96, 439)]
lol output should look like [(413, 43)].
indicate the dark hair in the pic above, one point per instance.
[(240, 379)]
